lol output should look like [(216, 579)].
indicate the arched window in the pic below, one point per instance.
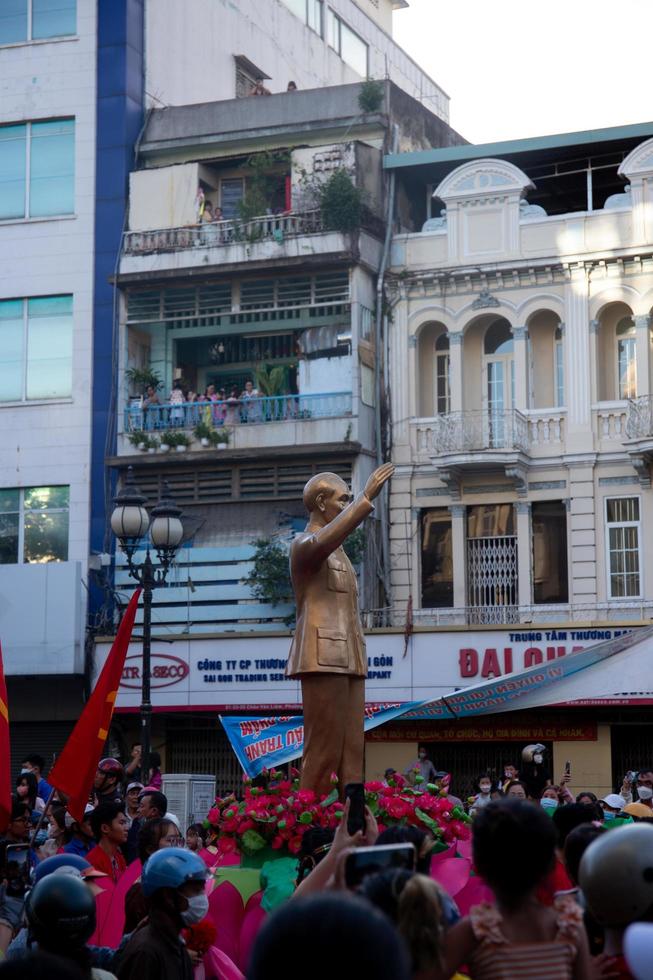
[(498, 338), (442, 390), (559, 369), (626, 358)]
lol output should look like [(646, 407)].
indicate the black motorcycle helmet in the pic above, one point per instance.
[(61, 912)]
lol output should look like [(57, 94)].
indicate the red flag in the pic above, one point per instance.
[(75, 769), (5, 776)]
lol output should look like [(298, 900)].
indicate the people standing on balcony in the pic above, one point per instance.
[(150, 401), (251, 411), (232, 416), (258, 88), (177, 412), (220, 409)]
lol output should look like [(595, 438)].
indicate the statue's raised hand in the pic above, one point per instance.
[(377, 479)]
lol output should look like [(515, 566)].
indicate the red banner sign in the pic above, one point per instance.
[(421, 732)]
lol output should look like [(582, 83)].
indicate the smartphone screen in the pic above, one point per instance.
[(568, 768), (355, 793), (370, 860), (17, 869)]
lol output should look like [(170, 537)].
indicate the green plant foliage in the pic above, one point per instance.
[(355, 546), (271, 381), (269, 579), (143, 378), (203, 430), (341, 202), (173, 437), (370, 97)]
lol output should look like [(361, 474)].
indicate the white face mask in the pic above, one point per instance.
[(198, 909), (644, 792), (537, 759)]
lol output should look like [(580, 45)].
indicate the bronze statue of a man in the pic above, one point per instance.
[(328, 649)]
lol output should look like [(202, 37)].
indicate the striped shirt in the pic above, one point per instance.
[(496, 958)]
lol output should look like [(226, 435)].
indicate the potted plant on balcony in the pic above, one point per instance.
[(220, 437), (168, 439), (205, 433), (139, 439), (181, 441)]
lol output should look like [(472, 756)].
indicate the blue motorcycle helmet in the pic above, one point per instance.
[(171, 867), (60, 861)]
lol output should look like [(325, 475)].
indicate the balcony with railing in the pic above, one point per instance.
[(245, 423), (268, 238), (638, 436), (470, 433), (269, 227)]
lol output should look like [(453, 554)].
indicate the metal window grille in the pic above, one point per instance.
[(492, 579), (204, 748)]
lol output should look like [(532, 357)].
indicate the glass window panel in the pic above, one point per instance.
[(627, 368), (490, 521), (437, 559), (314, 15), (46, 536), (53, 18), (13, 21), (46, 498), (231, 194), (49, 348), (550, 575), (623, 510), (8, 536), (353, 50), (559, 373), (52, 168), (9, 501), (11, 350), (332, 30), (298, 7), (12, 171)]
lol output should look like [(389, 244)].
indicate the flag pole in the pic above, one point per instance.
[(45, 809)]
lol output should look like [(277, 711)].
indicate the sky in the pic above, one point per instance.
[(514, 69)]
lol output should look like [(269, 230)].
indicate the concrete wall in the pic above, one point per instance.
[(191, 48), (50, 443)]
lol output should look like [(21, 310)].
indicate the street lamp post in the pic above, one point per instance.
[(130, 522)]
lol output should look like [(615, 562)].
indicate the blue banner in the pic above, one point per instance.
[(263, 743)]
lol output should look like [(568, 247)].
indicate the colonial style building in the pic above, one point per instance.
[(521, 381)]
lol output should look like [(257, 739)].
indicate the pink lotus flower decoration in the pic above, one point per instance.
[(278, 815)]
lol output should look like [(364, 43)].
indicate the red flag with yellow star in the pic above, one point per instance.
[(5, 775), (74, 770)]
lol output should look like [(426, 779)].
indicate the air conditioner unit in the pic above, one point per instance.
[(190, 797)]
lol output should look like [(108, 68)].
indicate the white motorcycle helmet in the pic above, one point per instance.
[(616, 875)]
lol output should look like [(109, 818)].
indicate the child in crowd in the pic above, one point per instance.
[(514, 850)]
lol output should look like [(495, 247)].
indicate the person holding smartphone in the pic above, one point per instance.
[(13, 875)]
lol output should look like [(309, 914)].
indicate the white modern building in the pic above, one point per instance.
[(47, 210)]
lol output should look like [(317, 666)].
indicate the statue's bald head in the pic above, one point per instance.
[(325, 484)]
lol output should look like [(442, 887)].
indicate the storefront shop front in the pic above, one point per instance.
[(195, 680)]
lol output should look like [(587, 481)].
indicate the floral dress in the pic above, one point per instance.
[(497, 958)]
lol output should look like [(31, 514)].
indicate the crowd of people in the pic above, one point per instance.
[(214, 406), (568, 875)]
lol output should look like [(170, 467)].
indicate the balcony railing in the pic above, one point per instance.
[(267, 227), (639, 421), (469, 432), (251, 411)]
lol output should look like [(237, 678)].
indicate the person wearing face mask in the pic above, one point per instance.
[(534, 769), (422, 766), (643, 807), (483, 787), (173, 883), (612, 806)]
